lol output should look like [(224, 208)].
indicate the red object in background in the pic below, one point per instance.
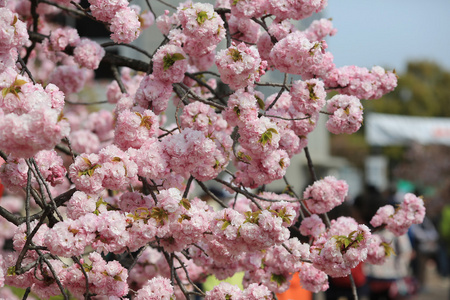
[(295, 291)]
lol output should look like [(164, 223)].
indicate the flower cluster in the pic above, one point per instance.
[(346, 114), (124, 20), (202, 26), (125, 218), (342, 247), (240, 66), (296, 54), (360, 82), (411, 211), (325, 194)]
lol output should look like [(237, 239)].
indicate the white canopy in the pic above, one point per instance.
[(385, 130)]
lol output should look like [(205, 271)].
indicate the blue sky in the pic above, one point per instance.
[(389, 32)]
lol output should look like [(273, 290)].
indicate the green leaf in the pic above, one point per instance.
[(252, 217), (388, 250), (11, 271), (183, 217), (202, 17), (146, 122), (170, 59), (159, 215), (312, 95), (235, 54), (261, 103), (225, 224), (237, 110), (267, 136), (185, 203), (279, 279), (5, 91)]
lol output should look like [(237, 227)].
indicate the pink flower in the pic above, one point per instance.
[(104, 10), (341, 248), (224, 291), (325, 194), (297, 10), (153, 94), (88, 54), (60, 38), (158, 288), (29, 133), (134, 128), (360, 82), (70, 79), (295, 54), (411, 211), (86, 173), (249, 8), (242, 107), (240, 66), (312, 226), (125, 26), (308, 96), (346, 114), (202, 26), (319, 29), (170, 64)]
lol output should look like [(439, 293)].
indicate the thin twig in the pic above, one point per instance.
[(85, 103), (200, 292), (41, 178), (135, 260), (354, 291), (197, 97), (76, 12), (167, 4), (25, 68), (27, 292), (209, 193), (111, 44), (279, 93), (287, 119), (241, 191), (55, 276), (86, 278), (314, 178), (116, 75), (227, 27), (205, 72), (188, 186), (200, 82)]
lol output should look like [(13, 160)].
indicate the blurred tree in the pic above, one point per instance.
[(423, 90)]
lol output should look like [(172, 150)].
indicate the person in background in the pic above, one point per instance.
[(382, 278)]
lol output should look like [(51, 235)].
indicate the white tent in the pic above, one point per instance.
[(385, 130)]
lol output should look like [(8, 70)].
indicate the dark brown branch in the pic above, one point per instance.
[(200, 82), (188, 186), (110, 44), (25, 68), (240, 191), (279, 93), (118, 79), (209, 193), (86, 278), (222, 14)]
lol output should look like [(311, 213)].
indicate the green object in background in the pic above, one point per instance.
[(405, 186), (212, 281)]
